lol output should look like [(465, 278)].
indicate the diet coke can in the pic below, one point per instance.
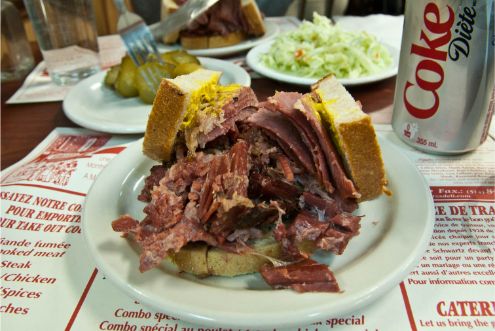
[(444, 95)]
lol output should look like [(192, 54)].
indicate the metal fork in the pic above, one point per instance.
[(140, 40), (140, 43)]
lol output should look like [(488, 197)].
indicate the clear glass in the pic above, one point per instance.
[(66, 33), (17, 56)]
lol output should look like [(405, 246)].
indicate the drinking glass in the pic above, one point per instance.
[(67, 36), (17, 57)]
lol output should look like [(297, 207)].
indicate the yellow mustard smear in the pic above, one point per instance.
[(330, 117), (316, 108), (209, 99)]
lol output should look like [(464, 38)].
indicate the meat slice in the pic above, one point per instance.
[(124, 223), (283, 102), (218, 166), (236, 109), (347, 222), (226, 126), (326, 207), (334, 241), (245, 99), (170, 196), (344, 185), (307, 226), (285, 134), (239, 168), (230, 190), (165, 210), (304, 276), (155, 247), (279, 190), (344, 227), (222, 18), (157, 172), (241, 217)]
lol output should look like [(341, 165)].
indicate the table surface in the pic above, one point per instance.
[(24, 126)]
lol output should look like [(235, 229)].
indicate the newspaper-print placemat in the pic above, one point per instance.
[(49, 282)]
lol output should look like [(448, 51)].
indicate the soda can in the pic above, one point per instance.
[(444, 94)]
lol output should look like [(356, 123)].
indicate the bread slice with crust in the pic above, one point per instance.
[(174, 99), (168, 7), (253, 17), (214, 41), (354, 136), (201, 260)]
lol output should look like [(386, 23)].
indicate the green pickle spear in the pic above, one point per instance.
[(128, 81), (111, 76), (146, 94), (185, 68), (124, 84), (179, 57)]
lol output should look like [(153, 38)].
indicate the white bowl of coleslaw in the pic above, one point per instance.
[(316, 49)]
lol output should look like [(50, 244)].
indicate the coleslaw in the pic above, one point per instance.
[(318, 48)]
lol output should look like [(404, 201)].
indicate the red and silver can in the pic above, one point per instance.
[(444, 95)]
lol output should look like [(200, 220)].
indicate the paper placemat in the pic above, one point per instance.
[(49, 282), (38, 87)]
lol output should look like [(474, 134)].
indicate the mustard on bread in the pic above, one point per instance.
[(177, 104), (353, 135)]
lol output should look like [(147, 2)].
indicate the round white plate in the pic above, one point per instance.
[(394, 235), (94, 106), (271, 28), (254, 61)]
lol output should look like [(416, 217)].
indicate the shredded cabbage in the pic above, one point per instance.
[(318, 48)]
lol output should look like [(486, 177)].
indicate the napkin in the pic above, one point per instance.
[(38, 87)]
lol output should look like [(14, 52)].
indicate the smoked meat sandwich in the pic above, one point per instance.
[(243, 186)]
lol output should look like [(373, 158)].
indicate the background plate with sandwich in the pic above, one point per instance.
[(222, 173), (228, 27)]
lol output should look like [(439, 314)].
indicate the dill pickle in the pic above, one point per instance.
[(168, 57), (146, 94), (184, 57), (128, 81), (179, 57), (124, 84), (111, 76), (185, 68)]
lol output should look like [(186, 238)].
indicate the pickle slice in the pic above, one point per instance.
[(179, 57), (128, 80), (111, 76), (124, 84), (185, 68), (159, 71)]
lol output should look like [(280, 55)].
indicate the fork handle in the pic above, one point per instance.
[(121, 7)]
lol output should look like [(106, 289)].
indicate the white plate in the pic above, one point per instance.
[(271, 28), (395, 233), (253, 60), (94, 106)]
